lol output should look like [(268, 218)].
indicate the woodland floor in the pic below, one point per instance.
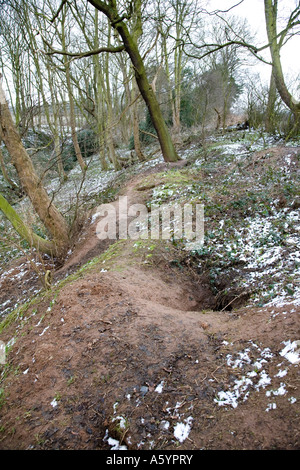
[(133, 350)]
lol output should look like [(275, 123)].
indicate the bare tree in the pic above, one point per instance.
[(120, 23), (48, 213)]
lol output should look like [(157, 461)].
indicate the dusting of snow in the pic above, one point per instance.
[(257, 378), (271, 406)]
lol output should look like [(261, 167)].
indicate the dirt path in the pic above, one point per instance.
[(89, 245), (131, 351)]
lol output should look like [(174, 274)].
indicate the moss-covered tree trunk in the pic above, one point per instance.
[(164, 137), (25, 232), (130, 44), (276, 43), (109, 109), (48, 213), (137, 32), (135, 122)]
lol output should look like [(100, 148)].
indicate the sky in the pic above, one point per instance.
[(253, 10)]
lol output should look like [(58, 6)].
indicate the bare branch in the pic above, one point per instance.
[(225, 11), (59, 10), (152, 46), (217, 47), (80, 55)]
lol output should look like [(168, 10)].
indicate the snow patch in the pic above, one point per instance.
[(291, 351), (182, 430)]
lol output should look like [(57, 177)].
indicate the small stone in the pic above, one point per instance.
[(144, 390)]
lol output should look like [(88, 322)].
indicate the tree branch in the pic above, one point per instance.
[(80, 55), (101, 6), (59, 10), (216, 47), (225, 11)]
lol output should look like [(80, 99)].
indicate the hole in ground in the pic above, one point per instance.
[(227, 301), (221, 293)]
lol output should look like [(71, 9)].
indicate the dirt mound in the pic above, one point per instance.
[(123, 357)]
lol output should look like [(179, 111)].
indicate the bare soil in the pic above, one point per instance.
[(131, 348)]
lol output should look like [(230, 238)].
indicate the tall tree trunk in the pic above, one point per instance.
[(45, 108), (135, 122), (98, 97), (48, 213), (270, 118), (168, 74), (109, 110), (127, 103), (137, 32), (78, 153), (54, 125), (101, 121), (167, 146), (177, 77), (275, 46)]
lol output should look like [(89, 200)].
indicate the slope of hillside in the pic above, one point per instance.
[(142, 344)]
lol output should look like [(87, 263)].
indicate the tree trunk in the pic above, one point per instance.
[(166, 61), (109, 109), (54, 125), (177, 88), (78, 154), (25, 232), (275, 46), (98, 98), (270, 118), (136, 127), (137, 31), (167, 146), (218, 119), (48, 213), (5, 174)]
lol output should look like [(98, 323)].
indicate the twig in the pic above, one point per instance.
[(149, 133), (234, 299), (106, 321)]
